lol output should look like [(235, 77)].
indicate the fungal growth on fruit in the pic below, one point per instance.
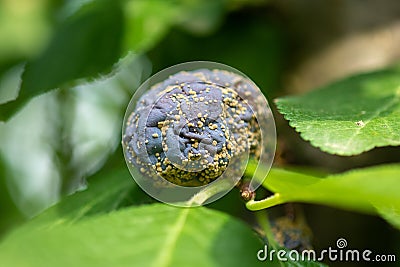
[(196, 128), (190, 127)]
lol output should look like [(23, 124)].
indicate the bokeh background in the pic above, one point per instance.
[(61, 137)]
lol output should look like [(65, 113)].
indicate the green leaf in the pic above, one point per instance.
[(24, 28), (371, 190), (10, 214), (149, 235), (87, 43), (202, 16), (94, 34), (107, 190), (390, 213), (350, 116), (9, 83), (146, 22)]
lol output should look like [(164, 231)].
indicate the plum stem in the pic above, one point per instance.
[(210, 191), (268, 202)]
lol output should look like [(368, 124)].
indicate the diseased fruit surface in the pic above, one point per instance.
[(190, 127)]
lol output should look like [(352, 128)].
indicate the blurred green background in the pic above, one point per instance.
[(95, 53)]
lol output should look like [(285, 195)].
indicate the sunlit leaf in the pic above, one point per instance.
[(350, 116), (24, 29), (87, 43), (147, 22), (107, 190), (150, 235), (371, 190), (390, 212)]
